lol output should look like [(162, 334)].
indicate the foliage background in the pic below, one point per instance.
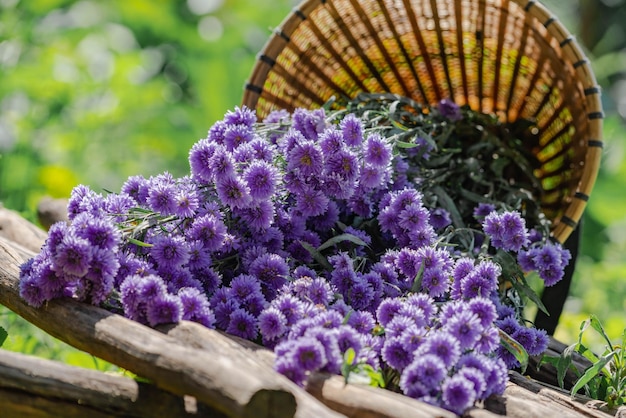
[(93, 91)]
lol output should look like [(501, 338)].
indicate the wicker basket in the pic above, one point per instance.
[(510, 57)]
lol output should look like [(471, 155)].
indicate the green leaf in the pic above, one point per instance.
[(592, 372), (597, 325), (139, 243), (316, 255), (3, 335), (511, 270), (564, 363), (515, 348), (341, 238), (417, 282), (448, 204)]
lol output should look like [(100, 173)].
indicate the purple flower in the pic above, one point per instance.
[(413, 217), (311, 202), (287, 366), (169, 251), (440, 218), (352, 130), (236, 135), (164, 309), (377, 151), (240, 116), (328, 339), (395, 353), (258, 216), (306, 158), (209, 230), (200, 162), (310, 122), (272, 323), (136, 187), (261, 177), (482, 210), (450, 110), (343, 163), (443, 345), (465, 327), (435, 282), (291, 307), (309, 354), (458, 393), (98, 231), (73, 256), (272, 270), (488, 342), (233, 192), (462, 269), (222, 164), (331, 141), (484, 309), (348, 337), (428, 370), (362, 321), (196, 307), (242, 324), (387, 310)]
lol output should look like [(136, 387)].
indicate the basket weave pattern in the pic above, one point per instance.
[(508, 57)]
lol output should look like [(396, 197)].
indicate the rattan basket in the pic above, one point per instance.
[(509, 57)]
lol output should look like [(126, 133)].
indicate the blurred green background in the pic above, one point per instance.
[(94, 91)]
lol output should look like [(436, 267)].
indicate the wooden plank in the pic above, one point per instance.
[(15, 228), (36, 387), (235, 384)]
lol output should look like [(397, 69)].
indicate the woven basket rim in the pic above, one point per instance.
[(572, 53)]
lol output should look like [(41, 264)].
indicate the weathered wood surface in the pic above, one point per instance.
[(18, 230), (36, 387), (231, 382)]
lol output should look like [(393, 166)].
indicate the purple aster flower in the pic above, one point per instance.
[(306, 158), (186, 202), (272, 323), (169, 251), (237, 135), (371, 177), (484, 309), (318, 291), (272, 270), (465, 327), (361, 295), (496, 377), (240, 116), (443, 345), (423, 302), (261, 177), (428, 370), (395, 353), (526, 259), (343, 163), (450, 110), (414, 217), (98, 231), (136, 187), (164, 309), (209, 230), (348, 337), (287, 366), (488, 342), (311, 202), (77, 196), (331, 141), (200, 162), (387, 310), (196, 307), (328, 338), (540, 343), (242, 324), (162, 197), (413, 337), (435, 282), (412, 384), (222, 164), (440, 218), (362, 321), (508, 324), (310, 122), (258, 216), (343, 279), (73, 256), (352, 130), (244, 285), (262, 150), (422, 238), (458, 393), (31, 290), (482, 210), (199, 256), (290, 306), (398, 324), (233, 192), (309, 354), (223, 311), (462, 269), (377, 151), (408, 262)]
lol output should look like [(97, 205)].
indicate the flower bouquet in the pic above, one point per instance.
[(387, 241)]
